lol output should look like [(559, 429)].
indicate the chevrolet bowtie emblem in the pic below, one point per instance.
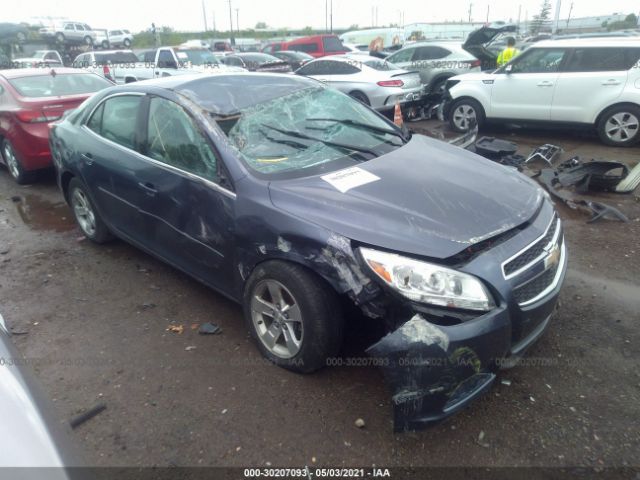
[(553, 259)]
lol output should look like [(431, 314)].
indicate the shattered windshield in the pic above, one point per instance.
[(312, 130)]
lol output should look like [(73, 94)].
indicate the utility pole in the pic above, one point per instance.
[(519, 14), (213, 20), (231, 23), (326, 16), (204, 16), (238, 20), (556, 19), (470, 5), (488, 7), (331, 16), (569, 16)]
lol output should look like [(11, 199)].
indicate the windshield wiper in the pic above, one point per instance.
[(364, 126), (343, 146)]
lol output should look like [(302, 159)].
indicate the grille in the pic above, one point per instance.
[(531, 253), (536, 286)]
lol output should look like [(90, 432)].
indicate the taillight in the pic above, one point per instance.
[(106, 71), (474, 63), (36, 116), (391, 83)]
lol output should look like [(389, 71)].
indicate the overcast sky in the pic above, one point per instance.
[(187, 14)]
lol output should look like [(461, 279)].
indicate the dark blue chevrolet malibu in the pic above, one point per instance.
[(300, 203)]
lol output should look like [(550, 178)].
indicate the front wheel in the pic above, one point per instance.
[(105, 45), (293, 316), (620, 126), (88, 40), (86, 214), (60, 37), (465, 113), (127, 42)]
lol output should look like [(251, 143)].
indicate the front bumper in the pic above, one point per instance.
[(434, 370)]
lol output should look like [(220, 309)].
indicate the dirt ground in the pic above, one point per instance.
[(93, 323)]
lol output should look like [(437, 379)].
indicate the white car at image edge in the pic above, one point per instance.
[(581, 82)]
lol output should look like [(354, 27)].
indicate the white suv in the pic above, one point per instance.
[(583, 82)]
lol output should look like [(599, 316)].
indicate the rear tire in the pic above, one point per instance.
[(293, 316), (85, 213), (60, 37), (463, 111), (14, 165), (620, 126), (127, 43), (105, 45), (361, 97), (88, 40)]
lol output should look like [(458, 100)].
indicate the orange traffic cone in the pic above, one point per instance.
[(397, 115)]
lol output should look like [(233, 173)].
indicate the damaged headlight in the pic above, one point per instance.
[(429, 283)]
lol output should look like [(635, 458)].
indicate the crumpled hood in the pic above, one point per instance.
[(431, 199)]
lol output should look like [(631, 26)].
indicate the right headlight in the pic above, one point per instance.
[(429, 283)]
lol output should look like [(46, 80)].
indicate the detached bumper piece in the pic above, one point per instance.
[(434, 371)]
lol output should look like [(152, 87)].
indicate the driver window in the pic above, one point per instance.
[(174, 139), (539, 60)]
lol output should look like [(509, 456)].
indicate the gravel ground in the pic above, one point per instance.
[(94, 322)]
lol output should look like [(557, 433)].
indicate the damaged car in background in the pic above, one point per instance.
[(308, 207)]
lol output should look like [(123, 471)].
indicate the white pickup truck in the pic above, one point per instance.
[(123, 66)]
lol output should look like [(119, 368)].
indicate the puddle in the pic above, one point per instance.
[(41, 214)]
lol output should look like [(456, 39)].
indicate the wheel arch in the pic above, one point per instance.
[(610, 107)]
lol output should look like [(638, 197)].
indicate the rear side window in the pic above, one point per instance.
[(59, 85), (430, 53), (602, 59), (116, 57), (332, 44), (304, 47), (402, 56), (116, 119), (339, 68)]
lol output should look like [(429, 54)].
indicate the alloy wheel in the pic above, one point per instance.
[(12, 161), (277, 318), (83, 212), (463, 116), (621, 127)]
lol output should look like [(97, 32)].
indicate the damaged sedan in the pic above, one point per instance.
[(308, 207)]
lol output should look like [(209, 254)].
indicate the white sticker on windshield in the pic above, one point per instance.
[(345, 180)]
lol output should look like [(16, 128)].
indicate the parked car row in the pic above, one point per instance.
[(586, 83), (81, 33)]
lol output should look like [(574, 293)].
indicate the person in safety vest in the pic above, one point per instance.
[(508, 53)]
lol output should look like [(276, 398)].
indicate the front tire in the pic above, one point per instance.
[(620, 126), (60, 37), (463, 113), (293, 316), (105, 45), (16, 170), (127, 42), (88, 40), (86, 214)]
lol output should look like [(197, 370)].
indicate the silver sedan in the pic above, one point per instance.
[(373, 81)]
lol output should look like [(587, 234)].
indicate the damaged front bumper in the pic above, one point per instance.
[(433, 371)]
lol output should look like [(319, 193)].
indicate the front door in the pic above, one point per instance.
[(190, 211), (524, 89)]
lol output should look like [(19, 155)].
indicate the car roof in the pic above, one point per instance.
[(590, 42), (225, 93), (35, 72)]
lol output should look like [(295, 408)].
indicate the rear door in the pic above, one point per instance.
[(189, 207), (403, 58), (111, 163), (524, 89), (426, 60), (591, 79)]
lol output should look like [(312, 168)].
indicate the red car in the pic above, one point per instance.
[(317, 45), (30, 99)]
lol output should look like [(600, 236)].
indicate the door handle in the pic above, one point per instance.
[(88, 158), (611, 82), (545, 84), (149, 188)]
